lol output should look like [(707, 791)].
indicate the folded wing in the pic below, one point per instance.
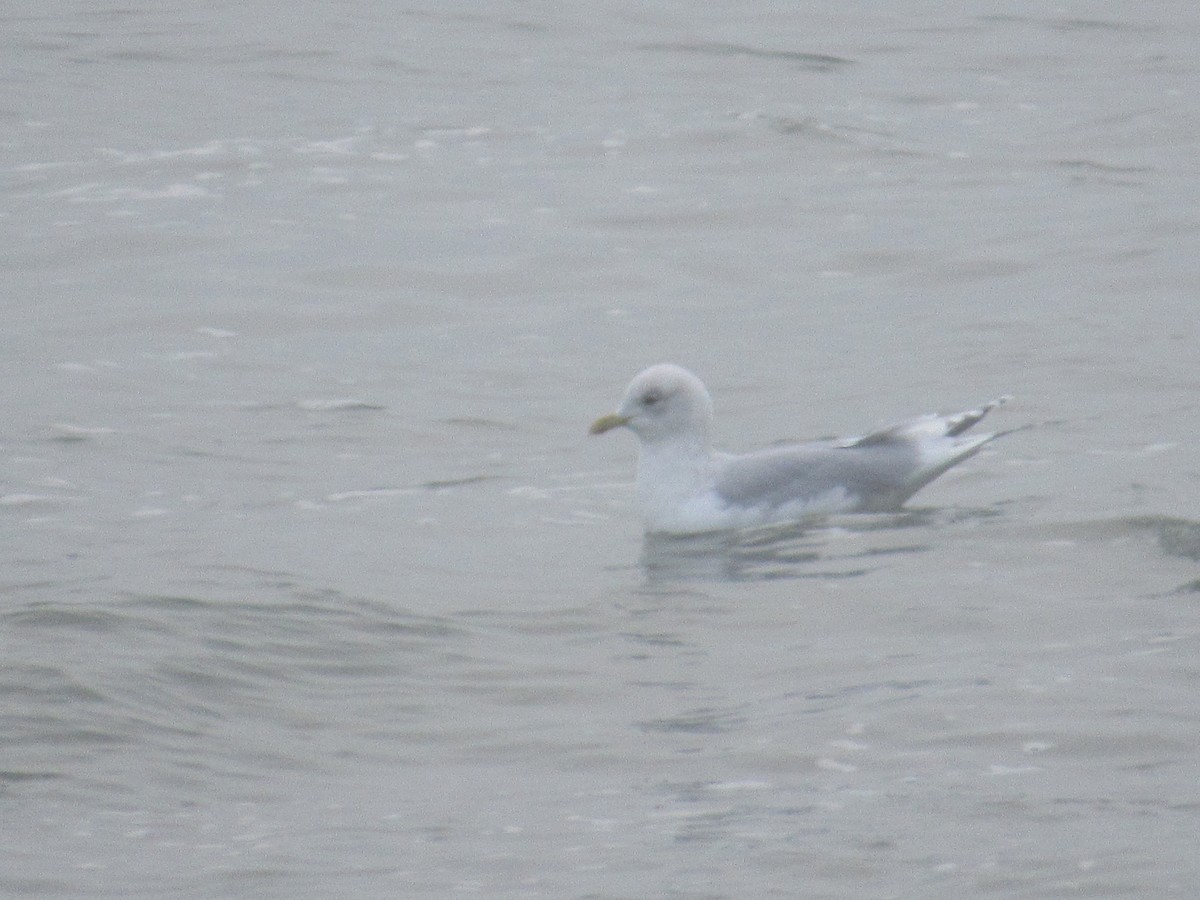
[(875, 472)]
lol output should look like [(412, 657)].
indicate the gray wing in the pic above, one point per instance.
[(878, 474)]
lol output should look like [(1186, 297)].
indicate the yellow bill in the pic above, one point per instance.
[(608, 423)]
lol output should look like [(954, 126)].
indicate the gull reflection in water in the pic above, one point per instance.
[(833, 548)]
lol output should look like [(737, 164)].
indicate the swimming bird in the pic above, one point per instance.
[(684, 486)]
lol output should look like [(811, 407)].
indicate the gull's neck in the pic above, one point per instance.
[(671, 472)]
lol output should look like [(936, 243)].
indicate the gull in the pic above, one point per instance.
[(686, 487)]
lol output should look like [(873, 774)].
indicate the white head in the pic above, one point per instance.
[(663, 403)]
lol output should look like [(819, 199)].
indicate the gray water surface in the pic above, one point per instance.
[(312, 584)]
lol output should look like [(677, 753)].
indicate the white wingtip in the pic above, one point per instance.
[(957, 424)]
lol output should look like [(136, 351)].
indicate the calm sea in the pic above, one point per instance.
[(312, 585)]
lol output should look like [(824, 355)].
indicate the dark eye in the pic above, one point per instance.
[(650, 398)]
